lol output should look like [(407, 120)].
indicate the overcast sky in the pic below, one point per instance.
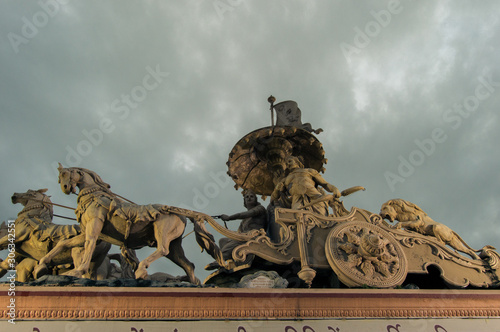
[(153, 95)]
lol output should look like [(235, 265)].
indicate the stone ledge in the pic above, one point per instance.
[(130, 303)]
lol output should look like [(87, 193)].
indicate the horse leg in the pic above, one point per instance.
[(61, 246), (100, 254), (177, 256), (166, 229), (92, 231), (103, 271), (25, 269), (9, 262), (4, 267), (128, 262), (77, 256)]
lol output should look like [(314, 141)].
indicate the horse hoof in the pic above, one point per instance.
[(40, 271), (141, 274), (74, 273)]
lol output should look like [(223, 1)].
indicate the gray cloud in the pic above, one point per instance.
[(222, 66)]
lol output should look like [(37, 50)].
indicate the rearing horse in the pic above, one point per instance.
[(103, 216), (35, 235)]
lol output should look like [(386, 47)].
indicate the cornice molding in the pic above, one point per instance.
[(98, 303)]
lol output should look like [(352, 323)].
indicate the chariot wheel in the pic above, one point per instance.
[(363, 254)]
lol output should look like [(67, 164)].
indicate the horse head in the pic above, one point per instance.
[(31, 195), (34, 199), (67, 179), (70, 178)]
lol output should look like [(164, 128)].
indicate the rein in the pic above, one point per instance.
[(64, 217), (71, 180), (121, 197), (56, 215), (45, 202), (73, 209)]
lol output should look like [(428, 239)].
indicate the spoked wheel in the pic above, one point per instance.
[(363, 254)]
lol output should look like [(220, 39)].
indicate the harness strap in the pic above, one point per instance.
[(127, 231), (45, 202), (64, 217)]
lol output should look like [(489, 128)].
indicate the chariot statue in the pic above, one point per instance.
[(305, 233)]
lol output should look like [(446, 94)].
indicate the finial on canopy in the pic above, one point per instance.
[(271, 101)]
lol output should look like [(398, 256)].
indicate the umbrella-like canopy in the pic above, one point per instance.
[(257, 161)]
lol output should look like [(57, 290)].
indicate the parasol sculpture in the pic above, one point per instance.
[(257, 161)]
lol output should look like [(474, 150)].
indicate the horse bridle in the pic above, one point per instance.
[(72, 181)]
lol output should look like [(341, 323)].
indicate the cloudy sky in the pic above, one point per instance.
[(153, 95)]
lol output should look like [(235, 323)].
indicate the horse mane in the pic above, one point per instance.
[(97, 179), (48, 205), (405, 206)]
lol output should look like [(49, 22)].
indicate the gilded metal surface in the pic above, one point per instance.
[(364, 254), (412, 217), (35, 234), (162, 230), (257, 161)]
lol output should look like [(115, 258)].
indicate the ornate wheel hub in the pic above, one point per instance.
[(363, 254)]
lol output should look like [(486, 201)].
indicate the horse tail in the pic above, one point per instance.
[(206, 241), (129, 261)]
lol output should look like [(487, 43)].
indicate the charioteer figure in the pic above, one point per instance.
[(254, 218)]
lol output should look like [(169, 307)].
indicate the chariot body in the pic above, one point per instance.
[(314, 241)]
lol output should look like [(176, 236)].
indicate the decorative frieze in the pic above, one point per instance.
[(80, 303)]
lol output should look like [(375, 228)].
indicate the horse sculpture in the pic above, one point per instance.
[(35, 235), (104, 216), (24, 265)]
